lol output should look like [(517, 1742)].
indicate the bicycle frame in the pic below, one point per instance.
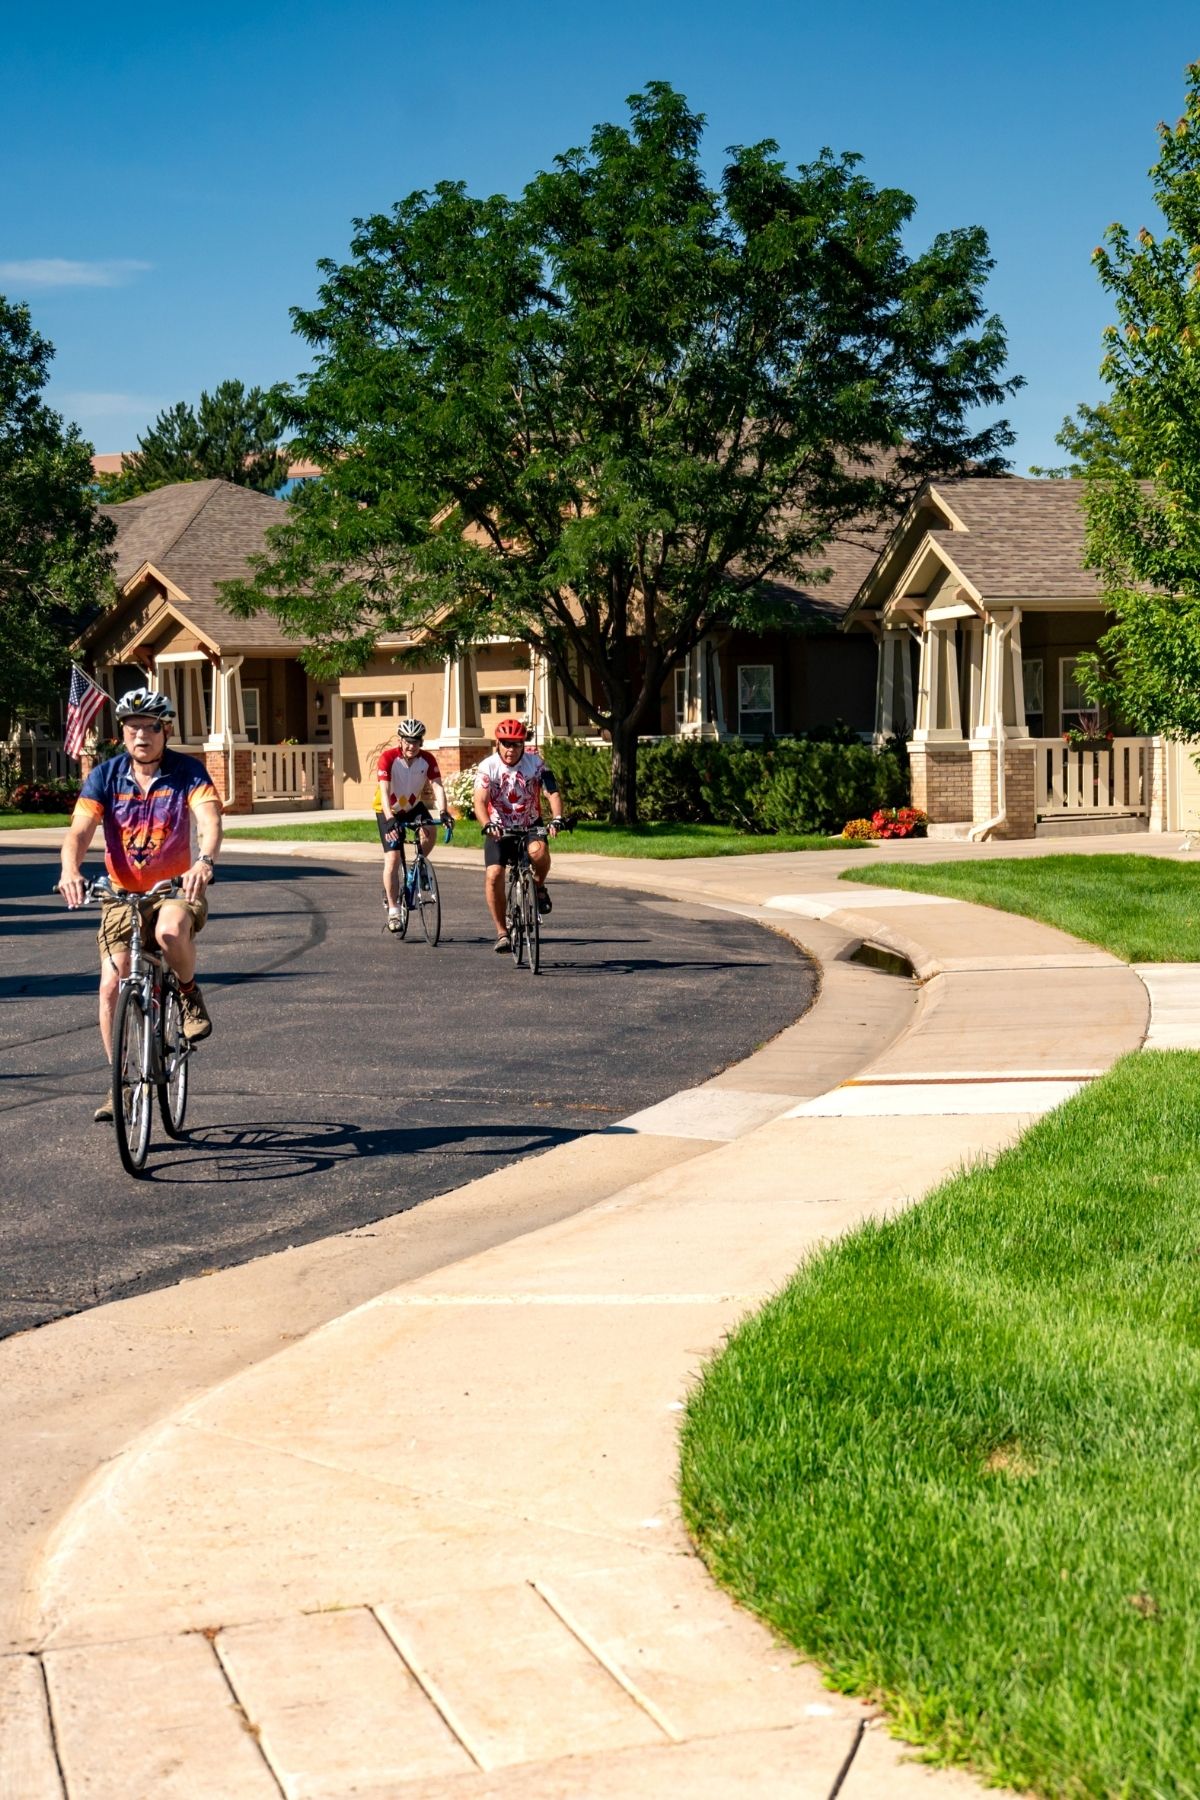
[(148, 990)]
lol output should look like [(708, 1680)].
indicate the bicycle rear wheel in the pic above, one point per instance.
[(429, 901), (533, 930), (131, 1061), (174, 1052)]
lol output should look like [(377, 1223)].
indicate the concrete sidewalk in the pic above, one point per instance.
[(434, 1547)]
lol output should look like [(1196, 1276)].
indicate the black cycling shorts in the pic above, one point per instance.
[(499, 853), (391, 824)]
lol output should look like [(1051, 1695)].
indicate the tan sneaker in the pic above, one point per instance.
[(196, 1022), (103, 1113)]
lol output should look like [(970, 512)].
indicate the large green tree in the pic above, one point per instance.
[(606, 416), (1143, 508), (54, 561), (233, 434)]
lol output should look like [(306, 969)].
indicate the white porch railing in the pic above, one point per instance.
[(1077, 783), (285, 771), (39, 759)]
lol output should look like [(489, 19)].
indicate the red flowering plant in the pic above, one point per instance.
[(898, 822)]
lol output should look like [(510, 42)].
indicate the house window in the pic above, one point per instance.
[(1077, 711), (250, 704), (756, 699), (502, 704), (1033, 682), (385, 709)]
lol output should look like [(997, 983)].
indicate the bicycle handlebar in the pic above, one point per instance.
[(424, 818), (95, 888)]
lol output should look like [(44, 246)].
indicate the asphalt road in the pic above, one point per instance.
[(350, 1076)]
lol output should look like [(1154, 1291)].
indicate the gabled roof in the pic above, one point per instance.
[(1009, 537), (196, 534)]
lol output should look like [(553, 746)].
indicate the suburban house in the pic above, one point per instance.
[(274, 736), (980, 605)]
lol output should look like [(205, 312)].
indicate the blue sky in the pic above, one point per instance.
[(174, 174)]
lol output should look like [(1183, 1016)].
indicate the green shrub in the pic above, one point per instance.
[(809, 784), (584, 775)]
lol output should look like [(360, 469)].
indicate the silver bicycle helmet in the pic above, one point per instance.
[(410, 729), (142, 703)]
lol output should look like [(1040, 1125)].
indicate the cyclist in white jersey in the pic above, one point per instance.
[(509, 786), (407, 774)]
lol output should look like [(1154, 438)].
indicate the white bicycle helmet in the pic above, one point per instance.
[(410, 730), (143, 703)]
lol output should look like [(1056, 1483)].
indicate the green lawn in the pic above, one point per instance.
[(23, 821), (1144, 908), (957, 1459), (604, 840)]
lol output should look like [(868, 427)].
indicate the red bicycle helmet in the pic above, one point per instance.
[(511, 731)]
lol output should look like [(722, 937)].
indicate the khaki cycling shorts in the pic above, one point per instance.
[(114, 933)]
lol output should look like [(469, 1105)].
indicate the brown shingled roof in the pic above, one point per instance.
[(199, 533), (1023, 537)]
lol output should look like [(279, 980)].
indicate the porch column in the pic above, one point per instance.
[(712, 700), (461, 740), (225, 726), (938, 710), (894, 709), (547, 709)]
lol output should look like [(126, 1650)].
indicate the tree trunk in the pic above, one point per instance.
[(623, 803)]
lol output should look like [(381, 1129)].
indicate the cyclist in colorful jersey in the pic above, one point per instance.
[(147, 798), (407, 777), (509, 786)]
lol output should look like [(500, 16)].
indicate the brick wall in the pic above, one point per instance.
[(1019, 802), (216, 762), (453, 758), (325, 777), (942, 782)]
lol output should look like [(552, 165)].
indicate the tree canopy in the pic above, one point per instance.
[(54, 560), (233, 434), (605, 417), (1143, 509)]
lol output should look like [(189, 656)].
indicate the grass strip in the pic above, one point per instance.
[(24, 821), (956, 1459), (1142, 908), (659, 841)]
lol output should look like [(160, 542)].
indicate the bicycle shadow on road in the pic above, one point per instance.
[(284, 1150)]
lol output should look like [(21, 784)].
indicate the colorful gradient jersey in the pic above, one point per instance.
[(147, 837)]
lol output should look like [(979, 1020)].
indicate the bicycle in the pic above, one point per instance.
[(520, 898), (149, 1048), (418, 884)]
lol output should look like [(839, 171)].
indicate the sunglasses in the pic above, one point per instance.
[(145, 724)]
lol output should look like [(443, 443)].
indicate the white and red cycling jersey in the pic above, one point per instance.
[(401, 784), (514, 795)]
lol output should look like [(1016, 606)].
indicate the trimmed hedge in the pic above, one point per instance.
[(786, 784)]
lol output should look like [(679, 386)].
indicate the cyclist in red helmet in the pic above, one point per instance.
[(509, 786)]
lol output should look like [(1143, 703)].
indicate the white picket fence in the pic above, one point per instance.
[(1078, 783), (286, 772)]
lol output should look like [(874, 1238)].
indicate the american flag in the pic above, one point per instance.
[(83, 703)]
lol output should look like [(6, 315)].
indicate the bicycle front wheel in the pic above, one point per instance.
[(429, 901), (174, 1054), (516, 919), (533, 930), (131, 1063)]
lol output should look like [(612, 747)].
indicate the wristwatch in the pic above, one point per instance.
[(204, 857)]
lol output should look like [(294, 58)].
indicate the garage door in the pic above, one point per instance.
[(369, 727)]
